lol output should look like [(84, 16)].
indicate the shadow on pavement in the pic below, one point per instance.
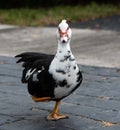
[(108, 23)]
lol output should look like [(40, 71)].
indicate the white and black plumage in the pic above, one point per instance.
[(52, 77)]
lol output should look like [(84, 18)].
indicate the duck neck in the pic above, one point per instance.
[(63, 48)]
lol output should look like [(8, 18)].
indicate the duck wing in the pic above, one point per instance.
[(33, 61)]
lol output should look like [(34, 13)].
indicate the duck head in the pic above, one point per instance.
[(64, 32)]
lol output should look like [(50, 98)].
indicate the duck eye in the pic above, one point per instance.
[(59, 30)]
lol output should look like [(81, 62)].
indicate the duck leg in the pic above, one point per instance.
[(43, 99), (54, 114)]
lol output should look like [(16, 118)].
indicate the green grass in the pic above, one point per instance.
[(47, 16)]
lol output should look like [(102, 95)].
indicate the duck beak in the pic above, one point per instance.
[(64, 39)]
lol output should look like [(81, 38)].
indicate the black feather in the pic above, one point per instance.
[(33, 60), (33, 56)]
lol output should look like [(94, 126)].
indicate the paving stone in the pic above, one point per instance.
[(114, 127), (6, 119)]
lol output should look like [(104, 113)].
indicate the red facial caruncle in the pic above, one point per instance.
[(62, 34)]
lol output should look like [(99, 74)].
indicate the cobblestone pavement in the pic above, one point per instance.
[(94, 106)]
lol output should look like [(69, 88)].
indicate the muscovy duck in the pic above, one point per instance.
[(52, 77)]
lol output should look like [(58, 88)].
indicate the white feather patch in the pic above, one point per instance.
[(29, 73), (70, 73)]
